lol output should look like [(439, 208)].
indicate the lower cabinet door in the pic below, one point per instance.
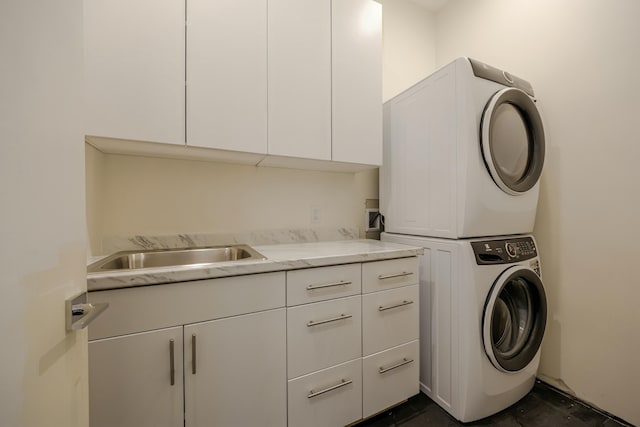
[(390, 377), (330, 397), (136, 380), (235, 371)]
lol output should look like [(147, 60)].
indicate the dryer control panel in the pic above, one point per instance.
[(504, 251)]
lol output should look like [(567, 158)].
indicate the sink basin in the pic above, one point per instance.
[(133, 260)]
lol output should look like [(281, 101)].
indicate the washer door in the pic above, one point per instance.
[(513, 140), (515, 316)]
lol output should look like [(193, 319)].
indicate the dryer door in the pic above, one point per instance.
[(513, 140), (515, 316)]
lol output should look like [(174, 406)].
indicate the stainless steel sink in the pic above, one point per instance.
[(131, 260)]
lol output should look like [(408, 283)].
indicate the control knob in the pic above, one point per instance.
[(512, 251)]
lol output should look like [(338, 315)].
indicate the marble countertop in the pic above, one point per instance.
[(279, 257)]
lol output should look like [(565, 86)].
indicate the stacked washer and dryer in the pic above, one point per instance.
[(463, 154)]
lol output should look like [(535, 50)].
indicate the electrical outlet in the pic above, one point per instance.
[(372, 219), (315, 214)]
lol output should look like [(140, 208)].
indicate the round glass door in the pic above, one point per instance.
[(515, 317), (513, 143)]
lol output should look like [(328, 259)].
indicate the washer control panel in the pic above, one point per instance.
[(504, 251)]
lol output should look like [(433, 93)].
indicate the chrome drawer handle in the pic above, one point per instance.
[(333, 319), (193, 354), (404, 361), (342, 383), (391, 276), (402, 304), (328, 285), (172, 364)]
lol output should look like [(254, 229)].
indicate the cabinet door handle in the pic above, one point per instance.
[(342, 383), (391, 276), (193, 354), (403, 362), (402, 304), (328, 285), (172, 362), (333, 319)]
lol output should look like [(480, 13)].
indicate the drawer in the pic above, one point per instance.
[(392, 273), (328, 398), (323, 334), (390, 377), (390, 318), (160, 306), (319, 284)]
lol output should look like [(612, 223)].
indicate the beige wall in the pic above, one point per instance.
[(95, 179), (408, 45), (582, 59), (43, 369), (129, 195), (164, 196)]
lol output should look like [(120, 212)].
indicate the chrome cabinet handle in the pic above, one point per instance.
[(402, 304), (333, 319), (328, 285), (172, 364), (342, 383), (403, 362), (193, 354), (391, 276)]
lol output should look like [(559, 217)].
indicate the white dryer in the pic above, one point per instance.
[(483, 313), (463, 153)]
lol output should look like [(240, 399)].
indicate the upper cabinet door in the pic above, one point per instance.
[(357, 81), (134, 69), (227, 74), (300, 78)]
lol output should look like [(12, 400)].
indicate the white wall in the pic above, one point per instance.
[(129, 195), (43, 369), (408, 53), (582, 59)]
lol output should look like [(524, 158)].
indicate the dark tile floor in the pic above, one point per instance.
[(542, 407)]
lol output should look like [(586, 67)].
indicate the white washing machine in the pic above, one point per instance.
[(483, 313), (463, 153)]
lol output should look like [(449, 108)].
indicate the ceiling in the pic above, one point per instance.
[(432, 5)]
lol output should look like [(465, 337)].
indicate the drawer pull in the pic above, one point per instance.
[(172, 363), (333, 319), (193, 354), (391, 276), (342, 383), (404, 361), (402, 304), (328, 285)]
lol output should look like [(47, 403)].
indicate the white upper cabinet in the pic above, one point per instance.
[(134, 69), (357, 81), (293, 83), (300, 78), (227, 74)]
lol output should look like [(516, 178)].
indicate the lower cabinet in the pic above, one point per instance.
[(323, 334), (389, 377), (327, 398), (229, 352), (233, 374), (136, 380), (351, 357), (235, 370)]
